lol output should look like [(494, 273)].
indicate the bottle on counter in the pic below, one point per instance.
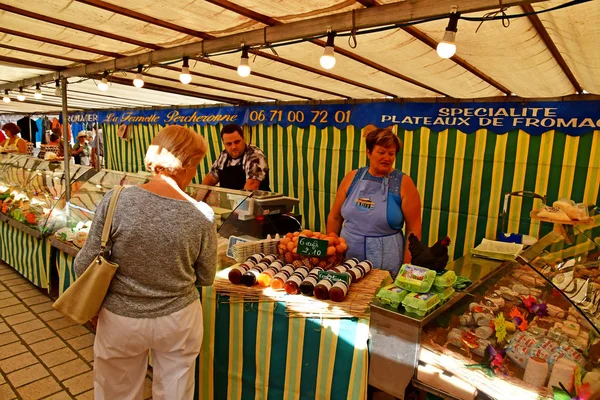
[(339, 290), (360, 270), (236, 273), (308, 284), (351, 262), (264, 279), (341, 269), (322, 288), (256, 257), (293, 283), (279, 279), (251, 276), (268, 259)]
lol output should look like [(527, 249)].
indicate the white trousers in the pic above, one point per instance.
[(121, 354)]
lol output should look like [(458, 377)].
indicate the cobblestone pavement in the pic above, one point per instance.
[(42, 354)]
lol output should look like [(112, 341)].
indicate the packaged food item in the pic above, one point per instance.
[(360, 270), (519, 346), (392, 295), (308, 284), (593, 378), (444, 293), (352, 262), (279, 279), (466, 320), (563, 373), (415, 279), (521, 289), (555, 311), (322, 289), (444, 279), (484, 332), (420, 303), (536, 372), (264, 279), (250, 277), (339, 290), (494, 302), (292, 285), (236, 273)]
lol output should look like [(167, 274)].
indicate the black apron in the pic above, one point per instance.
[(234, 177)]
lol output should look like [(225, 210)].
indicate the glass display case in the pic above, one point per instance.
[(529, 326), (30, 188)]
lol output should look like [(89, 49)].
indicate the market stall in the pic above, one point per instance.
[(521, 329)]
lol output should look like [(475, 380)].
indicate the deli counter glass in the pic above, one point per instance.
[(529, 330)]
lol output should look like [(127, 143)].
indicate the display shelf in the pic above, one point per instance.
[(66, 248), (561, 271), (24, 228)]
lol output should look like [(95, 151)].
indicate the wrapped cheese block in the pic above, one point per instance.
[(593, 379), (536, 372), (415, 279), (563, 373)]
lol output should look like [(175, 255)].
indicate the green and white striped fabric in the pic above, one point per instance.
[(462, 178), (66, 274), (28, 255), (254, 351)]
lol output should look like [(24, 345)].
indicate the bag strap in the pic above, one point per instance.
[(109, 218)]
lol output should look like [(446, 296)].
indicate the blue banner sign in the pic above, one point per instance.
[(571, 117)]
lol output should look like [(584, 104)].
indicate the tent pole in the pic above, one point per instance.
[(66, 144)]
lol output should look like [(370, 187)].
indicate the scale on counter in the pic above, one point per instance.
[(261, 203)]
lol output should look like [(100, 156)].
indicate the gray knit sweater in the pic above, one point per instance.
[(164, 247)]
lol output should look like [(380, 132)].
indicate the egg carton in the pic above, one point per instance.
[(241, 251)]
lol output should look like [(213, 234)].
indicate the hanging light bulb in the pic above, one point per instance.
[(21, 95), (6, 97), (103, 85), (185, 76), (328, 59), (446, 48), (38, 92), (244, 68), (138, 82), (57, 87)]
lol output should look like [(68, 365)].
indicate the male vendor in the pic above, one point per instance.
[(240, 166)]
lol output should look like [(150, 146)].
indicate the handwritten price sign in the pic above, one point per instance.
[(312, 247)]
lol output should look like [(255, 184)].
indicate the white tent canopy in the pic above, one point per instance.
[(548, 55)]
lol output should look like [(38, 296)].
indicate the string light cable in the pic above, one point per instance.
[(499, 14)]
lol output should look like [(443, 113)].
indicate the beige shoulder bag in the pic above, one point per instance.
[(83, 299)]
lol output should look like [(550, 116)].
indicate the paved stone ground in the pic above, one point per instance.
[(42, 354)]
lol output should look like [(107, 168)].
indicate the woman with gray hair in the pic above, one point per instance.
[(165, 244)]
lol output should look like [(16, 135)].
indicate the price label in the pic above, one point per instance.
[(334, 276), (312, 247)]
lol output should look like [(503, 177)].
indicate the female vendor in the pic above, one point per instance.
[(14, 143), (373, 203)]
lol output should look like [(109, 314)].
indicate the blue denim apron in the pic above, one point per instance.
[(366, 228)]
